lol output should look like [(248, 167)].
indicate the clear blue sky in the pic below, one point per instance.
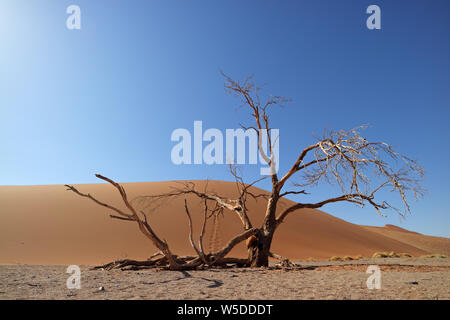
[(106, 98)]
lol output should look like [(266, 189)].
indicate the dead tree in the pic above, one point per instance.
[(361, 169), (164, 257)]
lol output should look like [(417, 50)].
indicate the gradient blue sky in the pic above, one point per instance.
[(106, 98)]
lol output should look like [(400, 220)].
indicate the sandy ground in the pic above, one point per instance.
[(400, 279)]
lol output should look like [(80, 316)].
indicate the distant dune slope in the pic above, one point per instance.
[(49, 225), (426, 243), (396, 228)]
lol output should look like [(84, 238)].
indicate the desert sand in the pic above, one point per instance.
[(47, 225), (411, 278)]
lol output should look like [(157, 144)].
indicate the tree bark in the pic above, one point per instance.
[(259, 250), (259, 254)]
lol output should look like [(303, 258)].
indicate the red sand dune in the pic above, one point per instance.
[(49, 225), (427, 243), (396, 228)]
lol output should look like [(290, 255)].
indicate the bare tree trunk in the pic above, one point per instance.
[(259, 254), (259, 248)]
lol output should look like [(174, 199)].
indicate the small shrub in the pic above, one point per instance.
[(392, 254), (380, 255), (334, 258), (405, 255), (435, 255), (347, 258)]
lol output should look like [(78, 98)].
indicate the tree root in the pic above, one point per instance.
[(126, 264), (163, 263), (284, 262)]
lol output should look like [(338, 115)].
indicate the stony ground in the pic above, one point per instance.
[(400, 279)]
